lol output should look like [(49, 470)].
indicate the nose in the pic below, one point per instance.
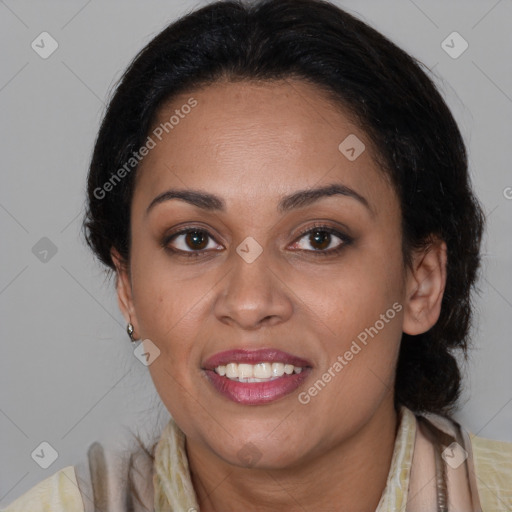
[(253, 295)]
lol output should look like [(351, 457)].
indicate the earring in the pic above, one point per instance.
[(130, 331)]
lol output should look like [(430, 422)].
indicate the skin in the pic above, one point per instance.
[(251, 144)]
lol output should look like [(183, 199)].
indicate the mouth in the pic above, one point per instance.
[(255, 377)]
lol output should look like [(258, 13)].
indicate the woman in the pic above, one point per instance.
[(284, 198)]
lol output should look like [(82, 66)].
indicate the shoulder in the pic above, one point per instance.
[(58, 493), (489, 463), (116, 480), (493, 467), (104, 480)]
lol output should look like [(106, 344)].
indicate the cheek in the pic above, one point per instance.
[(164, 299), (169, 314), (357, 312), (351, 295)]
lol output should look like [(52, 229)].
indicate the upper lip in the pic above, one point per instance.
[(254, 357)]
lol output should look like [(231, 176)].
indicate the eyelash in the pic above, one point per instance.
[(345, 240)]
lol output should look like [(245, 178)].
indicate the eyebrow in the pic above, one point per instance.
[(306, 197), (298, 199)]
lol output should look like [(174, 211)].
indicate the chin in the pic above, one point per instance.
[(260, 448)]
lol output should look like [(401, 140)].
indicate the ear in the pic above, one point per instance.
[(124, 289), (425, 284)]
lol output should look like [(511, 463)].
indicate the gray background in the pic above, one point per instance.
[(68, 373)]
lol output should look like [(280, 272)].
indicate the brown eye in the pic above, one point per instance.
[(196, 240), (191, 242), (320, 240)]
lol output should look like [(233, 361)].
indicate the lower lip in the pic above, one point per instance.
[(257, 393)]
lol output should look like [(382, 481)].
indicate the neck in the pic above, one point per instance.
[(351, 476)]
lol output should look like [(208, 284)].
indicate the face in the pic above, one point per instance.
[(261, 249)]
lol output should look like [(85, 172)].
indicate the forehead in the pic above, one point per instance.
[(257, 140)]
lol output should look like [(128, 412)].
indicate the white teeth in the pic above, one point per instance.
[(232, 370), (288, 369), (245, 371), (277, 369), (260, 372)]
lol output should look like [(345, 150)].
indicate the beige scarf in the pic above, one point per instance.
[(424, 459)]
